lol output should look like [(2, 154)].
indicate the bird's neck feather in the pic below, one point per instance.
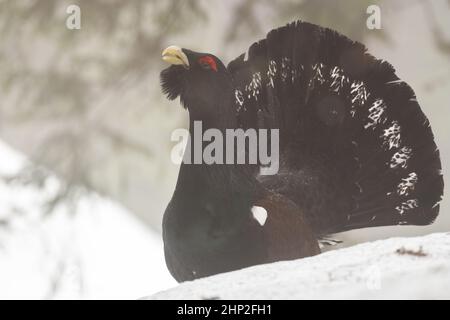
[(216, 178)]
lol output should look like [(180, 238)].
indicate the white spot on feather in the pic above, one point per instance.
[(254, 87), (271, 73), (317, 74), (358, 94), (338, 79), (376, 111), (407, 184), (395, 82), (239, 98), (407, 205), (285, 68), (246, 56), (359, 187), (400, 158), (296, 72), (260, 214), (391, 136)]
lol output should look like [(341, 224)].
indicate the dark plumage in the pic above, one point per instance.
[(356, 151)]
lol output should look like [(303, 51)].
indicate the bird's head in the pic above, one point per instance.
[(201, 80)]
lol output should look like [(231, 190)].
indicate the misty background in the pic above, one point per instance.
[(82, 111)]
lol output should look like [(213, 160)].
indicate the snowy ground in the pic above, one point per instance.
[(97, 250), (397, 268)]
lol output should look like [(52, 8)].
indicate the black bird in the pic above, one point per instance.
[(356, 151)]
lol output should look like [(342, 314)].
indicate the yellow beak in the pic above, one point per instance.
[(174, 55)]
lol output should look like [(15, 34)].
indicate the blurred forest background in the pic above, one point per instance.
[(86, 104)]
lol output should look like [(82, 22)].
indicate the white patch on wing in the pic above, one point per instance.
[(260, 214)]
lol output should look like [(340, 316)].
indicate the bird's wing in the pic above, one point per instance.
[(347, 121)]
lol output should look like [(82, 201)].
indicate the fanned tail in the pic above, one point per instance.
[(359, 150)]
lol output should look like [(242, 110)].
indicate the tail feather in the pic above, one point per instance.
[(351, 123)]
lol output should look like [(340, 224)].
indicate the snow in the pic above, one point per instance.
[(98, 250), (396, 268)]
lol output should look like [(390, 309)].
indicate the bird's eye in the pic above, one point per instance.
[(208, 62)]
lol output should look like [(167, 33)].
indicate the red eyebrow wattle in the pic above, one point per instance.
[(210, 61)]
